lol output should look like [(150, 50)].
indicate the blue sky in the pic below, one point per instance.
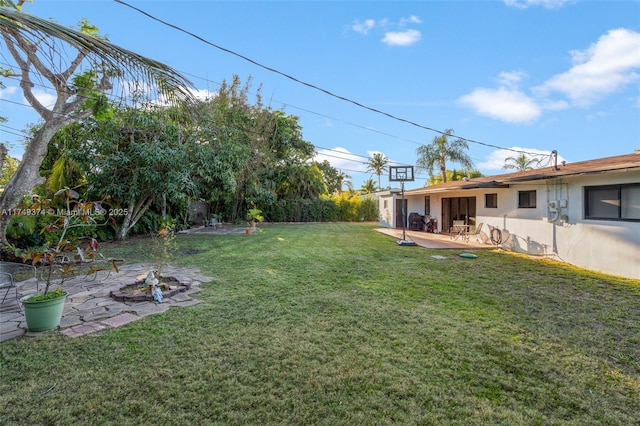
[(530, 75)]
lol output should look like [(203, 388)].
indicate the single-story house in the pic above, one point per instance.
[(585, 213)]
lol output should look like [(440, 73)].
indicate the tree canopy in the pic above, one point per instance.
[(81, 67), (378, 165), (439, 151), (228, 152), (521, 163)]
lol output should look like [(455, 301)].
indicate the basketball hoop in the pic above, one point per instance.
[(402, 174)]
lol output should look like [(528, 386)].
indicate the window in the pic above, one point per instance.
[(527, 199), (427, 205), (612, 202), (491, 201), (385, 204)]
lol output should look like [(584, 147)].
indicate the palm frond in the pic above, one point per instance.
[(122, 62)]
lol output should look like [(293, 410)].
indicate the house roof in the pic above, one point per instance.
[(620, 163)]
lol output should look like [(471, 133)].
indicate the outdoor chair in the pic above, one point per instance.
[(458, 230), (94, 263), (476, 233), (12, 274), (215, 223)]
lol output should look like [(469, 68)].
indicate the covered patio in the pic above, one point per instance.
[(435, 241)]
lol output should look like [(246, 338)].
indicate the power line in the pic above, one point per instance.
[(351, 124), (121, 98), (304, 83), (12, 131)]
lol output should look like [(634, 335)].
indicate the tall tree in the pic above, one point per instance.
[(439, 151), (453, 175), (136, 159), (378, 164), (333, 178), (39, 49), (368, 186), (521, 163)]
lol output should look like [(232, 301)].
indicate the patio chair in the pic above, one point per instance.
[(11, 274), (458, 230), (476, 233), (95, 263)]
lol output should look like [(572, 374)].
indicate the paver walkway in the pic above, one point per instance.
[(90, 308)]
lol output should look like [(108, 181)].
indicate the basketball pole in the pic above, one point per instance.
[(402, 174), (404, 241)]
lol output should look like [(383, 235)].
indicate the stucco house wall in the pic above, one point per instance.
[(559, 230)]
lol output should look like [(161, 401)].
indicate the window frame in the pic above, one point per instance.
[(619, 189), (530, 198), (427, 205), (493, 196)]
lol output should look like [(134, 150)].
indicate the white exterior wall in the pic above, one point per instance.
[(611, 247), (385, 207), (607, 246)]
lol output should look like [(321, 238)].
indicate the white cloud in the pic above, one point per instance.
[(605, 67), (413, 19), (203, 94), (496, 159), (506, 104), (45, 98), (549, 4), (341, 159), (363, 27), (392, 38), (511, 78), (402, 38), (7, 92)]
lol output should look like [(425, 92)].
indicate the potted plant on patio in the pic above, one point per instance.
[(43, 310), (254, 215)]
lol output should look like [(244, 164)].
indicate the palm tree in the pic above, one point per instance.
[(39, 48), (521, 163), (345, 180), (378, 165), (368, 186), (439, 151)]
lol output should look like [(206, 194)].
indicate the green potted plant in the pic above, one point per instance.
[(43, 310), (254, 215)]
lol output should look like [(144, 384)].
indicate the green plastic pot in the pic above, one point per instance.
[(43, 315)]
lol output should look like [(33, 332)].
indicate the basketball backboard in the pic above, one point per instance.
[(401, 174)]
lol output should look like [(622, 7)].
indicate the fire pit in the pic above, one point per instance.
[(140, 291)]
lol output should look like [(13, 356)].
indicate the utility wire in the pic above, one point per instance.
[(312, 86), (285, 104)]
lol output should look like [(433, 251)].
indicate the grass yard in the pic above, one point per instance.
[(335, 324)]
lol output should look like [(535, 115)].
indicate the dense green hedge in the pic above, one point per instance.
[(342, 207)]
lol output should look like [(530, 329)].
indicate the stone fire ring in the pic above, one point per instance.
[(175, 286)]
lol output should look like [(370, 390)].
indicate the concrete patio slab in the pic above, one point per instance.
[(434, 241)]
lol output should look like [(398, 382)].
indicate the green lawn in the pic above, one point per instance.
[(336, 324)]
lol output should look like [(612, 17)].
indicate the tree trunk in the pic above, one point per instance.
[(28, 174), (135, 210), (443, 169), (3, 155)]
